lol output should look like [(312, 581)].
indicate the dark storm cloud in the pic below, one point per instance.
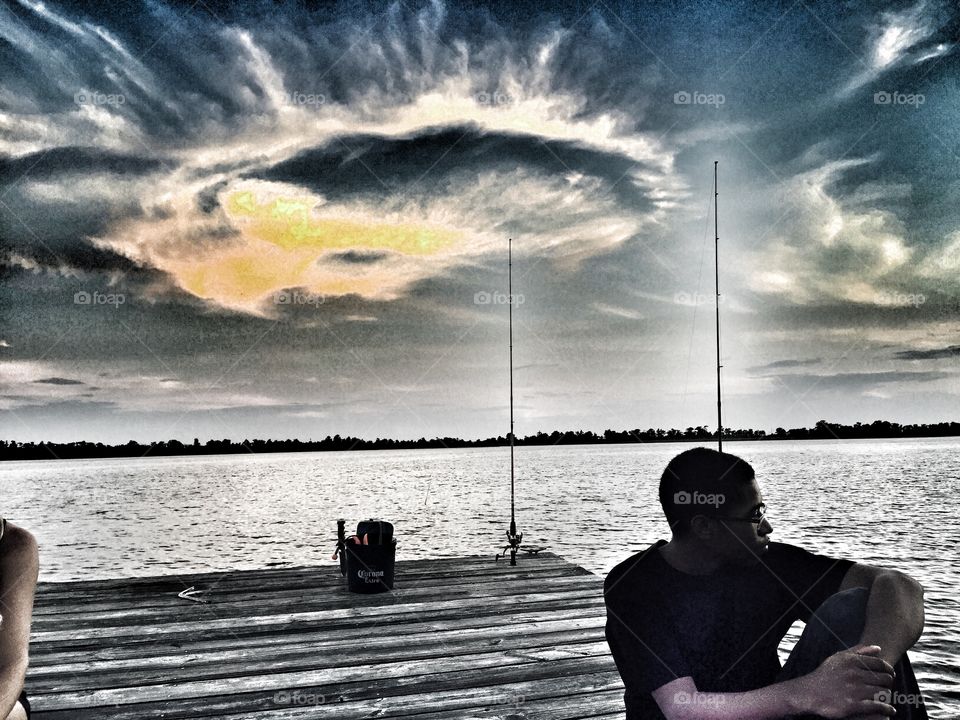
[(936, 354), (73, 253), (69, 161), (369, 165), (353, 257)]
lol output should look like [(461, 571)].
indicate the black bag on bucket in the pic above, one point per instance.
[(369, 567), (377, 532)]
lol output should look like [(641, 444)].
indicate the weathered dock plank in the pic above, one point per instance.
[(457, 638)]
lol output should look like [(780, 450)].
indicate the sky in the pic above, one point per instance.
[(288, 221)]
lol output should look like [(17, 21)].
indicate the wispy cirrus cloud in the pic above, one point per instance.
[(901, 37)]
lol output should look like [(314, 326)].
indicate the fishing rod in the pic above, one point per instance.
[(716, 277), (513, 537)]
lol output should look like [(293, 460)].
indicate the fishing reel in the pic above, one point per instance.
[(513, 543)]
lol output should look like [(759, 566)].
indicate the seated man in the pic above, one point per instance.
[(694, 623), (18, 581)]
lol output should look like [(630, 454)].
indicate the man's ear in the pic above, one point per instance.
[(701, 527)]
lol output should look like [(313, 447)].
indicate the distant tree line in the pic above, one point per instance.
[(823, 430)]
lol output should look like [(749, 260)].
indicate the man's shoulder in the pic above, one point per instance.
[(778, 550), (634, 569), (786, 552), (784, 557), (16, 541)]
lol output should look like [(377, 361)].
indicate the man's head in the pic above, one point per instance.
[(709, 499)]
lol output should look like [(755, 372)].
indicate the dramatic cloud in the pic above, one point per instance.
[(282, 221)]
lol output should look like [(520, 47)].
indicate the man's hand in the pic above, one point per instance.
[(849, 683)]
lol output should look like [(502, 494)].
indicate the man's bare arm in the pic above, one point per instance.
[(18, 581), (894, 615), (845, 685), (680, 700)]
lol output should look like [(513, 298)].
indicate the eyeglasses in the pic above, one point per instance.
[(757, 517)]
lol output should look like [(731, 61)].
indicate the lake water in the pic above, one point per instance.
[(888, 503)]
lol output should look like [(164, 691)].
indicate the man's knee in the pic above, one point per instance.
[(843, 615)]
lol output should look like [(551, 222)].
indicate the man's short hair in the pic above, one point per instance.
[(701, 481)]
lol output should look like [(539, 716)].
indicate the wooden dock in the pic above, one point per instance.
[(457, 638)]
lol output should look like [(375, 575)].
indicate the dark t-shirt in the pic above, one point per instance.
[(721, 629)]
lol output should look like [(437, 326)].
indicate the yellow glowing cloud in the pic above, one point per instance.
[(289, 223), (264, 236), (283, 244), (285, 240)]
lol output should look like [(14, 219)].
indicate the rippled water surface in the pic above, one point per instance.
[(888, 503)]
